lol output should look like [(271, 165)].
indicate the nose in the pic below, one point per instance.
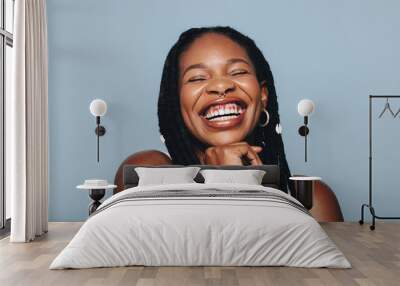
[(220, 87)]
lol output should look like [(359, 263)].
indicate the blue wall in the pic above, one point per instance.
[(333, 52)]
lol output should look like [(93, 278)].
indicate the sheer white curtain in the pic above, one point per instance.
[(27, 123)]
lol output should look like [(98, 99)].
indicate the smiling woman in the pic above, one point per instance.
[(217, 102), (221, 98), (218, 105)]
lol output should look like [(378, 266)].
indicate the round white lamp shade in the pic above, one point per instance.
[(305, 107), (98, 107)]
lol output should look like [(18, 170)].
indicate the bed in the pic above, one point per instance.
[(201, 224)]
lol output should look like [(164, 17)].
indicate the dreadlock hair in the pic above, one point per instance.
[(181, 144)]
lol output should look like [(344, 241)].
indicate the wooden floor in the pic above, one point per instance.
[(375, 257)]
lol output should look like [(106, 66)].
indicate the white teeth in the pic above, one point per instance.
[(222, 118), (223, 112)]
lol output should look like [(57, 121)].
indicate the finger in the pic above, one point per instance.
[(231, 154), (253, 158), (211, 157), (256, 149), (241, 149)]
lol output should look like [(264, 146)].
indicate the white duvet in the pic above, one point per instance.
[(183, 231)]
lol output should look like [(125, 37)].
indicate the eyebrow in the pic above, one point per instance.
[(238, 60), (203, 66)]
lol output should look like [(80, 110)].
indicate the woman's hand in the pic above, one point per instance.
[(233, 154)]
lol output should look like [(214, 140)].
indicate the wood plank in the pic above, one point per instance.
[(374, 255)]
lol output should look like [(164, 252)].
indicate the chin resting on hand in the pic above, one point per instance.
[(233, 154)]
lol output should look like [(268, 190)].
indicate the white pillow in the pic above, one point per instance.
[(248, 177), (162, 176)]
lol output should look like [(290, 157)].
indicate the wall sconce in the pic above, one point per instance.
[(305, 108), (98, 108)]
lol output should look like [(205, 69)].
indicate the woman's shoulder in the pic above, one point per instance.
[(148, 157)]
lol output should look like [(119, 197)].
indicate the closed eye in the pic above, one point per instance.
[(239, 72), (194, 79)]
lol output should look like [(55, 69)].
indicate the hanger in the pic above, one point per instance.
[(387, 107), (397, 113)]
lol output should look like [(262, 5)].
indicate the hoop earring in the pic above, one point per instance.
[(266, 121)]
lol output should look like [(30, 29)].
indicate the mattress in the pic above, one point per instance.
[(201, 225)]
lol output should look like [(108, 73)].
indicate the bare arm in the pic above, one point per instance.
[(325, 206), (147, 157)]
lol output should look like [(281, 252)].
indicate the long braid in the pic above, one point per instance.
[(170, 118), (279, 157), (180, 143)]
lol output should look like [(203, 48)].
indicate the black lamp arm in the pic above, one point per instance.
[(303, 131), (100, 131)]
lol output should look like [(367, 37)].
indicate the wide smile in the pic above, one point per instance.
[(225, 113)]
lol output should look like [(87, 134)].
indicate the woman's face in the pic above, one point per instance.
[(220, 97)]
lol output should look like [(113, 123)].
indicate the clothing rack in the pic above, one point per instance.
[(370, 205)]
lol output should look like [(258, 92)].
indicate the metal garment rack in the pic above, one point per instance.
[(369, 205)]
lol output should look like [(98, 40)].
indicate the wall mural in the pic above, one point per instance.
[(218, 106)]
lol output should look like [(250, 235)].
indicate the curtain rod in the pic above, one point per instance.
[(384, 96)]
